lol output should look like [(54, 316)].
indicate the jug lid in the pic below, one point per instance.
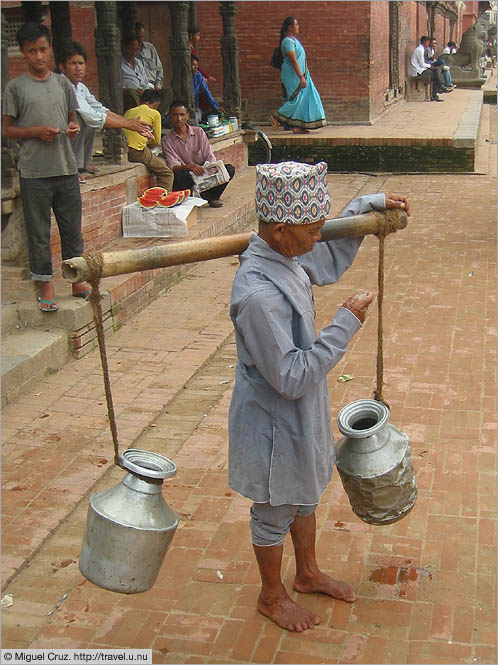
[(147, 464)]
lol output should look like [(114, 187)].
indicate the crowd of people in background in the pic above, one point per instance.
[(58, 136), (436, 71)]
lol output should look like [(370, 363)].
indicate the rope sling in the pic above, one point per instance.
[(386, 226)]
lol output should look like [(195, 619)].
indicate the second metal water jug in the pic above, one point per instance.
[(374, 463)]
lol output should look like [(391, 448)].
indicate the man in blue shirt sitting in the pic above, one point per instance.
[(201, 90)]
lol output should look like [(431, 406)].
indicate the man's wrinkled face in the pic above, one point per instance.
[(178, 117), (38, 55), (299, 239), (196, 37), (75, 68), (131, 50)]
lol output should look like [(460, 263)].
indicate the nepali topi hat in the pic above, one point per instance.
[(292, 192)]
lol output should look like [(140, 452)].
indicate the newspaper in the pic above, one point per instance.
[(158, 222), (215, 174)]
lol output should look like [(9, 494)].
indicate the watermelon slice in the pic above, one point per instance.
[(171, 199), (155, 192)]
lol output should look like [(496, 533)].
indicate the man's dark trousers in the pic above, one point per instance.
[(39, 196), (183, 180)]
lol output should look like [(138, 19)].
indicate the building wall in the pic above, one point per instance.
[(83, 31), (346, 42), (379, 57), (337, 49)]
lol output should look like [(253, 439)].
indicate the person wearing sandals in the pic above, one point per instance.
[(302, 109), (39, 110)]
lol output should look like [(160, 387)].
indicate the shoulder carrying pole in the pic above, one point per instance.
[(192, 251)]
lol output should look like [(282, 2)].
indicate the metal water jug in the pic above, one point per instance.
[(374, 463), (130, 526)]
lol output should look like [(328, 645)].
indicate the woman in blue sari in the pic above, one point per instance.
[(303, 108)]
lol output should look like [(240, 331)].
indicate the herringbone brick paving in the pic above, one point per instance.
[(425, 585)]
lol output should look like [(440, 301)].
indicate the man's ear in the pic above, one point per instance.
[(277, 231)]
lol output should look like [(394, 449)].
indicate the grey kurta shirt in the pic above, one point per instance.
[(281, 447)]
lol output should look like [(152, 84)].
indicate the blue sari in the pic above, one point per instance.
[(303, 107)]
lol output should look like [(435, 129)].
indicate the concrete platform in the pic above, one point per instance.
[(411, 137)]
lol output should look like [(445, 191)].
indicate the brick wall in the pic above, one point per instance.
[(347, 47), (379, 57), (337, 48), (236, 155), (83, 27)]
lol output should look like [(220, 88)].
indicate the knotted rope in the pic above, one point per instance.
[(95, 262), (388, 223)]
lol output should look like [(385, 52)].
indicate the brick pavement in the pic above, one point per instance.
[(426, 585)]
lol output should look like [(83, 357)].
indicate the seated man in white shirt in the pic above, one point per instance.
[(91, 114), (421, 68), (133, 72)]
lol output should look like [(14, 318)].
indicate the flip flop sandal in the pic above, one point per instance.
[(83, 294), (52, 305)]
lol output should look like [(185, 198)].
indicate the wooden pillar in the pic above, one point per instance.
[(60, 20), (230, 57), (394, 7), (5, 53), (33, 11), (192, 14), (108, 51), (180, 53), (127, 15)]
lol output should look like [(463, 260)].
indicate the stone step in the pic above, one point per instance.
[(28, 355)]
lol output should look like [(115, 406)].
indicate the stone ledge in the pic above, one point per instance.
[(465, 135)]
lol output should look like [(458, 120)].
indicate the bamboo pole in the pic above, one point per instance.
[(192, 251)]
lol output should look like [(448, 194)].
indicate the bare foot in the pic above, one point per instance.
[(300, 130), (274, 123), (321, 583), (287, 614)]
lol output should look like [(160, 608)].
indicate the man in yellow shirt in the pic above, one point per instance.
[(138, 150)]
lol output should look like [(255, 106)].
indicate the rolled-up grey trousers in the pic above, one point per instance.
[(270, 524)]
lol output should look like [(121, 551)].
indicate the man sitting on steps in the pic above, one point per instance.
[(138, 150), (186, 150)]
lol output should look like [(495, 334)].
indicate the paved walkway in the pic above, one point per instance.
[(426, 585), (416, 120)]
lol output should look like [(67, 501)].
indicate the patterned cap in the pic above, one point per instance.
[(292, 192)]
